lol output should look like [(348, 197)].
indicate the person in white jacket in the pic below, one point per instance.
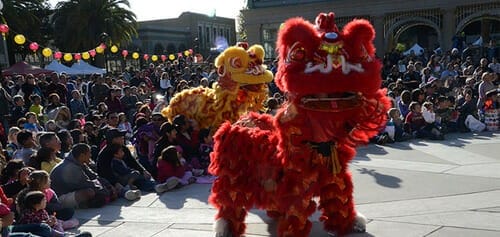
[(431, 121)]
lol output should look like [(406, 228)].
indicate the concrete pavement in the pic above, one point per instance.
[(415, 188)]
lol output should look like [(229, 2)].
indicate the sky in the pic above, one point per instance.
[(163, 9)]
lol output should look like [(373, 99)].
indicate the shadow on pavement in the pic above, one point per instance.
[(382, 179)]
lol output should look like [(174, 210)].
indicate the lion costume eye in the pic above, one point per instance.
[(296, 52), (235, 62)]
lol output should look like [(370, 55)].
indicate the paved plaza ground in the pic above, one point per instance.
[(415, 188)]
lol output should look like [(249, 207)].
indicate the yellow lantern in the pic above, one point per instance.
[(114, 49), (19, 39), (186, 53), (135, 55), (68, 57), (171, 57), (85, 55), (154, 58), (47, 52), (99, 49)]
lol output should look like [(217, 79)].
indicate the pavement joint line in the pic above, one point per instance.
[(434, 231), (380, 218), (429, 198), (158, 232)]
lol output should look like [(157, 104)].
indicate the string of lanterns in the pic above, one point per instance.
[(47, 52)]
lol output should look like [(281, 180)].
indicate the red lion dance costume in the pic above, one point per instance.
[(280, 163)]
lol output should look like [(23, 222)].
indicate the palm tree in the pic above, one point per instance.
[(78, 24), (27, 17)]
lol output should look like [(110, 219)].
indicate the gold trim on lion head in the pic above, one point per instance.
[(244, 66)]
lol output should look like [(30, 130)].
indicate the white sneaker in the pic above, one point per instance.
[(170, 184), (132, 195)]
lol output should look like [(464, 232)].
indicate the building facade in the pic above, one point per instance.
[(429, 23), (189, 31)]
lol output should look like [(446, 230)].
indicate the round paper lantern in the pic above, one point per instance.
[(124, 53), (154, 58), (34, 46), (171, 57), (99, 49), (47, 52), (57, 55), (190, 51), (145, 57), (86, 55), (4, 29), (19, 39), (114, 49), (68, 57), (135, 55), (78, 56), (186, 53), (92, 52), (163, 57)]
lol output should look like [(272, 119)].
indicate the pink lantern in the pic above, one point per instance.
[(179, 55), (92, 52), (103, 46), (34, 46), (58, 55), (78, 56), (163, 58), (146, 57), (190, 51), (124, 53), (4, 29)]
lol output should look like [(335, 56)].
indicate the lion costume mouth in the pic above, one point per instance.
[(331, 102)]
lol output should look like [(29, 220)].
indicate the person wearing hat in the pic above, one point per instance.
[(116, 136)]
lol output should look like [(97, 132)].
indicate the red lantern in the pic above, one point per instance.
[(163, 58), (124, 53), (78, 56), (92, 52), (34, 46), (4, 29), (146, 57), (58, 55)]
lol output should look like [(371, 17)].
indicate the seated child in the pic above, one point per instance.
[(206, 147), (35, 213), (416, 122), (130, 178), (171, 171), (446, 115), (491, 110), (396, 121), (39, 180), (430, 120)]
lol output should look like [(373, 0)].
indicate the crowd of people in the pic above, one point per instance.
[(83, 141), (438, 93)]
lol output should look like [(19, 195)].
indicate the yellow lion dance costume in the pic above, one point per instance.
[(242, 87)]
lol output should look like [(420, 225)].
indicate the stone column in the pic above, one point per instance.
[(448, 28), (378, 24)]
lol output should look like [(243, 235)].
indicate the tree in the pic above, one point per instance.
[(27, 17), (79, 23), (242, 31)]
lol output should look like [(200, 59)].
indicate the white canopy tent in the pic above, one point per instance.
[(417, 49), (60, 68), (83, 67)]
